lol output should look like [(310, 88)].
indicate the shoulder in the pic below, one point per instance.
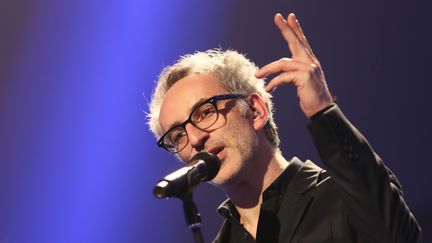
[(308, 176)]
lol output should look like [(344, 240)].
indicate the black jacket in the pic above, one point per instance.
[(358, 199)]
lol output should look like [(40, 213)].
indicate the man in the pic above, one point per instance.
[(216, 101)]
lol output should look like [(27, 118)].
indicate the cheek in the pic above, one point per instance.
[(243, 135), (185, 154)]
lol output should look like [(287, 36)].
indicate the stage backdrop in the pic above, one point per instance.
[(77, 162)]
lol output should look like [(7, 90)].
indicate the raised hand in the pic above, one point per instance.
[(302, 69)]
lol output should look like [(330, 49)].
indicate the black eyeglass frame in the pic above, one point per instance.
[(212, 100)]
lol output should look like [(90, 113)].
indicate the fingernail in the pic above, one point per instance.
[(294, 16)]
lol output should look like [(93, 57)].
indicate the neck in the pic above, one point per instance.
[(246, 194)]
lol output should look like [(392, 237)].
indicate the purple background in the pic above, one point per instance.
[(77, 162)]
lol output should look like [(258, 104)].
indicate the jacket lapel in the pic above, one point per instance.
[(295, 199)]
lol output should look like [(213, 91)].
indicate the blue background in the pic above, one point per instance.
[(77, 162)]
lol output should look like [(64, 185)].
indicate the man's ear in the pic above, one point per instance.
[(260, 113)]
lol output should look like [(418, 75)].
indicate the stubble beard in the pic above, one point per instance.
[(239, 159)]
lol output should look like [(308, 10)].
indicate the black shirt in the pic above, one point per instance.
[(268, 224)]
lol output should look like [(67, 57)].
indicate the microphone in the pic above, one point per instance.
[(203, 167)]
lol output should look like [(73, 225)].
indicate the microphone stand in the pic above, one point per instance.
[(193, 217)]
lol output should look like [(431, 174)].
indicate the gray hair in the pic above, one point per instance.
[(235, 72)]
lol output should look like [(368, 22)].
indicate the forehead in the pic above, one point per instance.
[(184, 94)]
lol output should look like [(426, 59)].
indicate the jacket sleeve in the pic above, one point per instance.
[(370, 191)]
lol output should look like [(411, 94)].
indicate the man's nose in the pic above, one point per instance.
[(196, 136)]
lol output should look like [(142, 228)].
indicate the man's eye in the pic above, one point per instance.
[(206, 112), (178, 136)]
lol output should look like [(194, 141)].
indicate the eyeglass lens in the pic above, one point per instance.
[(203, 117)]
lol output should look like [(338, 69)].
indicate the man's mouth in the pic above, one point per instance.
[(216, 151)]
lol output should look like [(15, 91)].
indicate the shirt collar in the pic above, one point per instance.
[(285, 181)]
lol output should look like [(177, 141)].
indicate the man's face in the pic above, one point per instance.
[(232, 138)]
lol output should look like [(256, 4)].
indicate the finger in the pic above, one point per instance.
[(295, 45), (281, 65), (295, 26), (282, 79)]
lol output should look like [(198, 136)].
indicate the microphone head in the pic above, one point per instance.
[(212, 163), (202, 167)]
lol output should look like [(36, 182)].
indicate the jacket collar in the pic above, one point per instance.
[(298, 177), (306, 177)]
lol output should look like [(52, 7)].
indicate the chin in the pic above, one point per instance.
[(218, 181), (229, 173), (224, 180)]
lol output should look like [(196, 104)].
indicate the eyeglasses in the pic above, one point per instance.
[(203, 116)]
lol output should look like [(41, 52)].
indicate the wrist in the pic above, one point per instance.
[(321, 111)]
